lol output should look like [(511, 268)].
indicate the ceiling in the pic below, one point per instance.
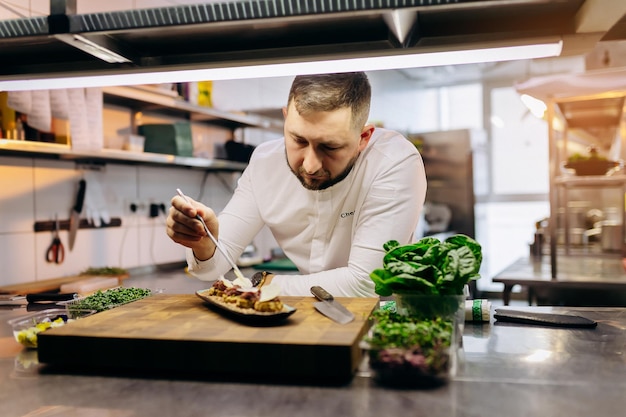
[(236, 33)]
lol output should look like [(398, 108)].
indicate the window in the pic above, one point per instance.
[(519, 146)]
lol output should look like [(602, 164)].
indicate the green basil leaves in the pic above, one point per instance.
[(428, 266)]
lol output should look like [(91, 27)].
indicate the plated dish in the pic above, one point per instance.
[(242, 306)]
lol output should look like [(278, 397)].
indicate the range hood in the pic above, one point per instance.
[(247, 32)]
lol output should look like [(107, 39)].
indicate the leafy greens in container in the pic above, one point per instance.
[(407, 352), (428, 266)]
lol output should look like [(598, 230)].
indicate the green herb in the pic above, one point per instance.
[(393, 330), (428, 266), (404, 350), (104, 300), (107, 270)]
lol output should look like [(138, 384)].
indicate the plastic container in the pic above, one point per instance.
[(26, 328), (425, 359), (419, 366), (105, 300), (429, 306)]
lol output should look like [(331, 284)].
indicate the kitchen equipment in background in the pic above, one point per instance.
[(249, 257), (448, 162), (437, 217), (171, 139), (96, 211), (577, 236), (133, 143), (75, 214), (13, 300), (592, 217), (49, 297), (329, 307), (536, 248), (611, 236), (56, 252), (237, 151)]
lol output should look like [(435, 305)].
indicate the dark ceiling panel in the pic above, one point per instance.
[(274, 31)]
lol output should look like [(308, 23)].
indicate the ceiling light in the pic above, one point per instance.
[(537, 107), (264, 70), (92, 48)]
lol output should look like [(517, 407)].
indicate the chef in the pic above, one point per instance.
[(332, 192)]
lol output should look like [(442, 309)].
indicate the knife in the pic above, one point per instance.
[(329, 307), (76, 210), (545, 319), (50, 297)]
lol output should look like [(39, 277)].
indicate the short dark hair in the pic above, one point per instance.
[(328, 92)]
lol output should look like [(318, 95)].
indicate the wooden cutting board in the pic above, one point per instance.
[(47, 285), (181, 333)]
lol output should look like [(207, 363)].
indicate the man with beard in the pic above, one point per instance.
[(332, 192)]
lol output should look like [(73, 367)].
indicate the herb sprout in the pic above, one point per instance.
[(104, 300), (405, 351), (106, 270)]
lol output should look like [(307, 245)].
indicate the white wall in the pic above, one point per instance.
[(36, 189)]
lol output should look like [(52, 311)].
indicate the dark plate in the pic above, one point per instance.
[(246, 315)]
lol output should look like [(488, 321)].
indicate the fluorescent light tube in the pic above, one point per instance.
[(92, 48), (373, 63), (535, 106)]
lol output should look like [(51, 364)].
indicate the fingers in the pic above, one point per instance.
[(183, 227)]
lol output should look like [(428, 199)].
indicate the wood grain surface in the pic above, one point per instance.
[(53, 284), (182, 333)]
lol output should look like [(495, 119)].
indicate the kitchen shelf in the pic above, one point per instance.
[(594, 120), (145, 98), (591, 180), (141, 98), (64, 152)]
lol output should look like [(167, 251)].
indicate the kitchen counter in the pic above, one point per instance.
[(581, 280), (506, 369)]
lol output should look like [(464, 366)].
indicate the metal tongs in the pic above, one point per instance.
[(232, 263)]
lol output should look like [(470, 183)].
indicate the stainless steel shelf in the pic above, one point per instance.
[(591, 180), (144, 98), (152, 99), (52, 150)]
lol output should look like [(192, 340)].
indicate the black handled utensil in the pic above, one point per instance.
[(329, 307), (543, 319), (75, 214)]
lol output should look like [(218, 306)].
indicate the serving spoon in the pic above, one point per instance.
[(232, 263)]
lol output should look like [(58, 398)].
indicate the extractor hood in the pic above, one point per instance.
[(248, 32)]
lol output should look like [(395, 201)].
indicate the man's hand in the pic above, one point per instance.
[(183, 227)]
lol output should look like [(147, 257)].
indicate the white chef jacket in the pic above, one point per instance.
[(334, 236)]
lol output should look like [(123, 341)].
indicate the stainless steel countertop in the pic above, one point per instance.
[(506, 370)]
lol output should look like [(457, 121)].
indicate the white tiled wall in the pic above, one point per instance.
[(36, 189), (33, 189)]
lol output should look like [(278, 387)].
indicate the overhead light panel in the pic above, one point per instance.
[(535, 106), (92, 48), (264, 70)]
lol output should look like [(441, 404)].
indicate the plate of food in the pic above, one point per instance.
[(245, 303)]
